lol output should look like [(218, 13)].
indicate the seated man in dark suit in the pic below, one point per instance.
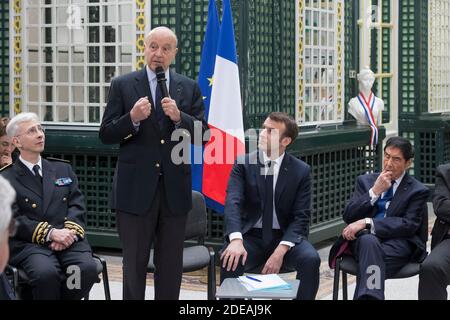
[(268, 208), (435, 270), (390, 206), (50, 211)]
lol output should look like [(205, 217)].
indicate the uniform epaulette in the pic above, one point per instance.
[(56, 159), (5, 167)]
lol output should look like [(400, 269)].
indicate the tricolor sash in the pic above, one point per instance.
[(367, 106)]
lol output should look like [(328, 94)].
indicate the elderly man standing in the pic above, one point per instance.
[(51, 217), (151, 193)]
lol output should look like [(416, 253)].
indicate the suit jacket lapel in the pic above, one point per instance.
[(401, 190), (282, 177), (48, 183), (142, 87), (26, 178)]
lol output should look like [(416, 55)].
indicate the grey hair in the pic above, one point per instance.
[(13, 125), (7, 197)]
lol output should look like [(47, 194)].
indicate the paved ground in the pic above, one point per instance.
[(194, 283)]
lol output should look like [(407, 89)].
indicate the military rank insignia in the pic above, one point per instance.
[(63, 182)]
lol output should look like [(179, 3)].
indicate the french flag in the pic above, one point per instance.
[(225, 117)]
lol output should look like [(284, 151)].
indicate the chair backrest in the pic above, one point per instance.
[(196, 222)]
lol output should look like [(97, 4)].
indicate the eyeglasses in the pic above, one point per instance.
[(33, 130), (12, 229)]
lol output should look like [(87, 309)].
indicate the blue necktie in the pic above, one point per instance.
[(381, 203), (267, 218)]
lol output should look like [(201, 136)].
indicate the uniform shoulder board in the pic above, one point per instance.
[(5, 167), (56, 159)]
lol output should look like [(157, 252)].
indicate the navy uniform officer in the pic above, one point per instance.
[(50, 211)]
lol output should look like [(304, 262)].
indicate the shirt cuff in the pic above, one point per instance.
[(372, 226), (373, 197), (287, 243), (47, 238), (235, 235)]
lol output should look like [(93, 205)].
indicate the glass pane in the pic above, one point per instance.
[(94, 54), (47, 74), (33, 35), (110, 34), (94, 14), (34, 109), (307, 18), (126, 34), (77, 94), (61, 14), (33, 74), (62, 35), (94, 34), (126, 55), (125, 12), (94, 114), (33, 16), (63, 113), (307, 56), (78, 36), (62, 54), (78, 74), (62, 94), (315, 18), (78, 114), (124, 69), (94, 74), (48, 54), (48, 115), (109, 14), (94, 94), (109, 73), (78, 54), (106, 93), (323, 20), (48, 93), (33, 55), (33, 93), (63, 74), (110, 54)]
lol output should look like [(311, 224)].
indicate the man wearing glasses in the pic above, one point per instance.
[(50, 212)]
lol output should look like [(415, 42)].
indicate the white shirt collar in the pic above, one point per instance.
[(277, 161), (399, 180), (30, 165)]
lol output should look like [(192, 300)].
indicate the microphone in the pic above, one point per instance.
[(161, 78)]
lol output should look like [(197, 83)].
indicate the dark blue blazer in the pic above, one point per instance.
[(145, 152), (406, 216), (39, 209), (245, 197)]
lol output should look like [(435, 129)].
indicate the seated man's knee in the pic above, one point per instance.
[(368, 240), (46, 276), (89, 271)]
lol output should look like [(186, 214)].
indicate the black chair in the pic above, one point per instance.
[(348, 265), (198, 256), (20, 281)]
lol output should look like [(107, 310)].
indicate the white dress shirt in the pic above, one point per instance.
[(30, 165)]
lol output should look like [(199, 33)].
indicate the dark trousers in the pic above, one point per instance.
[(53, 277), (435, 273), (137, 233), (302, 257), (377, 261)]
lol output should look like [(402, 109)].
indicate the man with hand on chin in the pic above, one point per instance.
[(268, 208), (391, 209)]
